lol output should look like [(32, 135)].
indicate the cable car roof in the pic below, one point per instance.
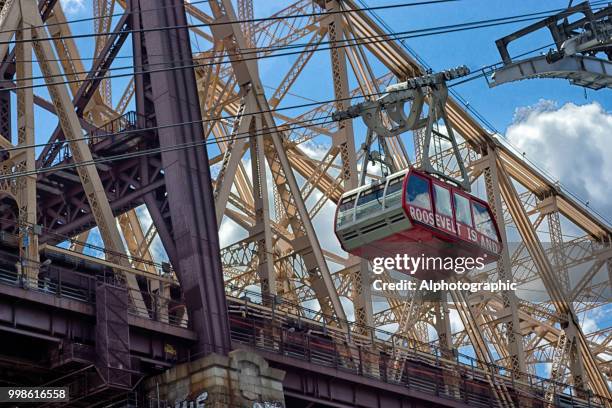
[(375, 183)]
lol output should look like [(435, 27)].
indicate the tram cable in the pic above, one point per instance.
[(195, 65), (350, 42), (147, 152), (221, 23)]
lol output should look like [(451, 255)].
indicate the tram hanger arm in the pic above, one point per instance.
[(393, 102)]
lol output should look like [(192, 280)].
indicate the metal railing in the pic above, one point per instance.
[(441, 379), (113, 129), (82, 288), (116, 129), (433, 376), (84, 292), (276, 325), (269, 324)]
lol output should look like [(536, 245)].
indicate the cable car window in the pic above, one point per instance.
[(462, 210), (483, 222), (345, 211), (369, 201), (394, 192), (417, 192), (443, 201)]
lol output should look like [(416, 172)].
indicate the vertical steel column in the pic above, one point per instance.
[(262, 230), (113, 334), (556, 242), (171, 97), (25, 159), (344, 138), (344, 141), (504, 271)]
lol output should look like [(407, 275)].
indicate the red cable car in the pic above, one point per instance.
[(413, 213)]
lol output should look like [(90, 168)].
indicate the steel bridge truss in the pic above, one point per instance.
[(275, 176)]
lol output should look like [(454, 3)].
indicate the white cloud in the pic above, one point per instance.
[(144, 217), (521, 114), (73, 6), (349, 308), (589, 325), (596, 319), (230, 232), (157, 250), (322, 222), (572, 143), (314, 150)]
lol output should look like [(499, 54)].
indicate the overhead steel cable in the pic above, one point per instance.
[(508, 19), (220, 23), (89, 135), (301, 45), (479, 116), (398, 35), (352, 42), (157, 150), (392, 35), (313, 103), (271, 18)]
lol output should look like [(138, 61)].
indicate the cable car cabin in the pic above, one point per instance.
[(413, 213)]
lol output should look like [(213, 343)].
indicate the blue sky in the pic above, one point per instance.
[(476, 48), (557, 125)]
